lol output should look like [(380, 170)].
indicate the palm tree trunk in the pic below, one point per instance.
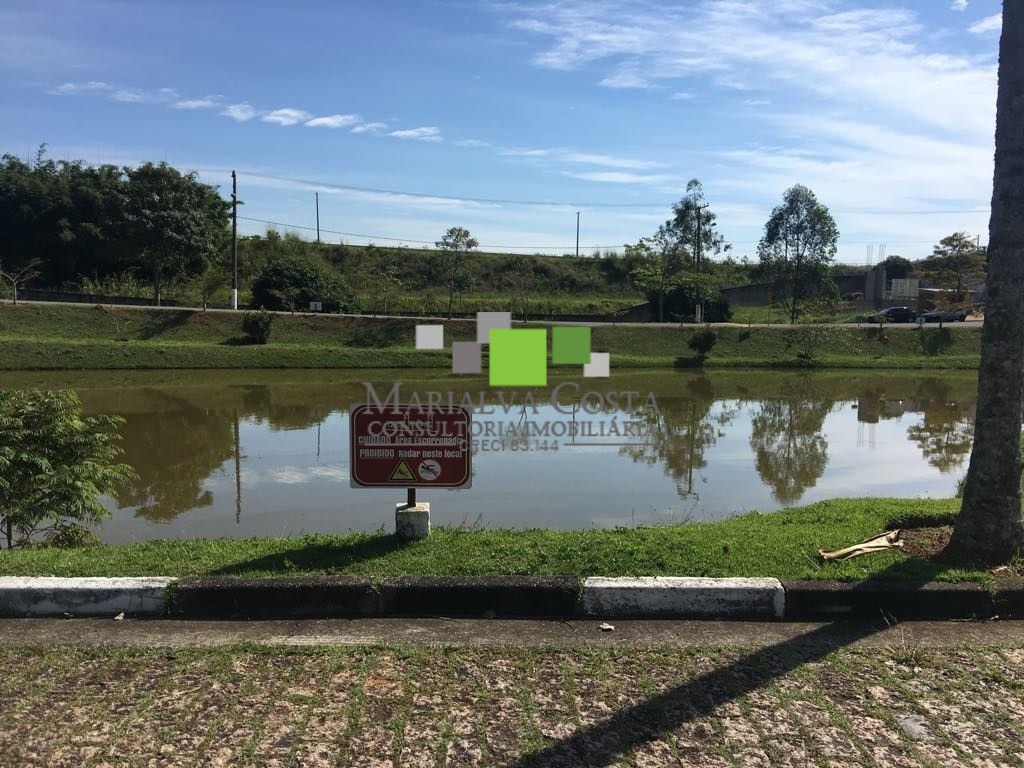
[(990, 527)]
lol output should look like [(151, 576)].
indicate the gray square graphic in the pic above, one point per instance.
[(466, 357), (488, 321), (429, 337)]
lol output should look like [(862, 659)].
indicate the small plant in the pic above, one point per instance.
[(702, 342), (256, 325)]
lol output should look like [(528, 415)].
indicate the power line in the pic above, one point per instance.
[(569, 203)]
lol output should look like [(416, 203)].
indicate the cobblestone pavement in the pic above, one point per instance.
[(894, 705)]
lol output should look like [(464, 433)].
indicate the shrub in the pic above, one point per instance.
[(55, 465), (292, 282), (256, 325), (702, 341)]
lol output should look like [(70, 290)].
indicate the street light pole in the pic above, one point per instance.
[(577, 234)]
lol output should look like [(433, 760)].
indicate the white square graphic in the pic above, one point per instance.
[(599, 366), (488, 321), (429, 337)]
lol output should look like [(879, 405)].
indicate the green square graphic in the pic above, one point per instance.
[(570, 345), (519, 357)]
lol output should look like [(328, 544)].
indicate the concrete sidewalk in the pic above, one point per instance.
[(524, 633)]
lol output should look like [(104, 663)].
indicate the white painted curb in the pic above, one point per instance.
[(732, 598), (24, 596)]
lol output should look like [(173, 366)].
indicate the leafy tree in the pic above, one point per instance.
[(954, 261), (990, 527), (659, 266), (54, 466), (454, 267), (897, 268), (798, 244), (694, 228), (290, 281), (177, 224), (213, 278)]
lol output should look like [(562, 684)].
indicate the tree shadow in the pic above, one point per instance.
[(689, 361), (159, 323), (316, 556), (607, 742)]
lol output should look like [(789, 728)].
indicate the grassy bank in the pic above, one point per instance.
[(51, 336), (780, 544)]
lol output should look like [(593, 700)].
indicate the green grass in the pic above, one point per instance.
[(49, 336), (781, 544)]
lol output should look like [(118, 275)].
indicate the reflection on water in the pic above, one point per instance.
[(266, 453)]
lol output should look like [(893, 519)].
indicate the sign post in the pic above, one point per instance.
[(410, 446)]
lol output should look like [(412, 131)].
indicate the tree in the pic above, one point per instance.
[(798, 244), (520, 272), (954, 261), (659, 266), (693, 226), (19, 277), (455, 246), (54, 466), (990, 527), (897, 268), (212, 279), (177, 224), (289, 281)]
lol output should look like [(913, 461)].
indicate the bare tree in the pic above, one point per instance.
[(22, 276), (990, 527)]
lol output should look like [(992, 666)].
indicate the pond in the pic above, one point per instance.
[(265, 453)]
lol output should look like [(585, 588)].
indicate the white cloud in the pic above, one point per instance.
[(370, 128), (524, 152), (333, 121), (471, 143), (626, 77), (196, 104), (424, 133), (609, 161), (141, 96), (992, 23), (619, 177), (681, 96), (69, 89), (240, 112), (870, 60), (958, 5), (756, 102), (286, 116)]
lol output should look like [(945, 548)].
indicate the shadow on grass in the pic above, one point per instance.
[(159, 323), (239, 341), (608, 741), (693, 361), (316, 556)]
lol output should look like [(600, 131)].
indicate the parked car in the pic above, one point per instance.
[(894, 315), (945, 316)]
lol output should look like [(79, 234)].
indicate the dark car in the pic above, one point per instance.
[(946, 316), (894, 315)]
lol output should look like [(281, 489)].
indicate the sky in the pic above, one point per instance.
[(508, 118)]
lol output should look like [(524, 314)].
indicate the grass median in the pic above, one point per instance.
[(62, 337), (780, 544)]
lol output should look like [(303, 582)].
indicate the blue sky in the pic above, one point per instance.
[(411, 117)]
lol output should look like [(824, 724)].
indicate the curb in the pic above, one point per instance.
[(22, 596), (505, 597), (684, 597)]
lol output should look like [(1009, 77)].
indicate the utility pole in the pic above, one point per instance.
[(317, 217), (577, 234), (234, 241), (698, 259)]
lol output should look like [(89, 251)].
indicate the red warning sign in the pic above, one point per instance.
[(410, 446)]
